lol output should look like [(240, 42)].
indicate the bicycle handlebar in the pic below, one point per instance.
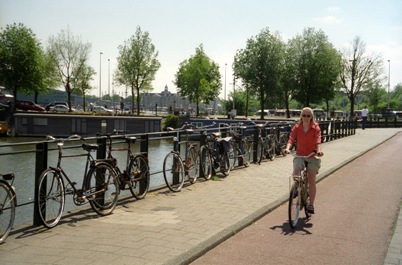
[(71, 137), (312, 154)]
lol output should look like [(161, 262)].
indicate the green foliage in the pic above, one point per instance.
[(171, 121), (198, 78), (260, 65), (241, 106), (314, 67), (22, 62), (137, 65)]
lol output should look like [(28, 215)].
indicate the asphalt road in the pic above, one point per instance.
[(356, 209)]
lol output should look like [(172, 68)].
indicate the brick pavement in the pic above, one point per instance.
[(176, 228)]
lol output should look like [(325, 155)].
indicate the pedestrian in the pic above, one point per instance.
[(364, 117), (307, 133), (121, 104)]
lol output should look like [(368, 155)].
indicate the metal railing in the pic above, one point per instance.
[(331, 130)]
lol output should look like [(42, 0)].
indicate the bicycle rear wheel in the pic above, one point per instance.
[(206, 162), (294, 206), (51, 198), (173, 171), (193, 165), (306, 198), (7, 210), (102, 188), (138, 171)]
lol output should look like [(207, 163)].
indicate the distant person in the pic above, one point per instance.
[(364, 117), (121, 104), (307, 133)]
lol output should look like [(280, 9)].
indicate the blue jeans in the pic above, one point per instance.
[(364, 121)]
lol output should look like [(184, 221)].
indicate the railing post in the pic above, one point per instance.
[(40, 166), (144, 143), (101, 152), (255, 144)]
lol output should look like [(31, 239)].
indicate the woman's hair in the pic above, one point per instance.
[(311, 113)]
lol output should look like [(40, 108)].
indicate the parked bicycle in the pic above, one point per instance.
[(175, 168), (280, 136), (100, 186), (136, 174), (215, 155), (266, 143), (299, 191), (241, 146), (8, 202)]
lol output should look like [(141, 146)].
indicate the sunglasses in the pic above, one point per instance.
[(306, 115)]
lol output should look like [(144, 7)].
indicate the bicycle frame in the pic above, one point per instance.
[(89, 163)]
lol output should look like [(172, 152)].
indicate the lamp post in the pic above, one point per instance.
[(224, 93), (108, 79), (389, 77), (100, 75)]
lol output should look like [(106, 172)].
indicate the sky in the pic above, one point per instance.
[(178, 27)]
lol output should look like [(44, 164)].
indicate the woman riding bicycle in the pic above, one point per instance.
[(307, 133)]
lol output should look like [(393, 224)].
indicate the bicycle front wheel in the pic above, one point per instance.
[(294, 206), (246, 152), (233, 155), (139, 176), (192, 165), (260, 150), (7, 210), (206, 162), (271, 147), (173, 172), (225, 164), (102, 188), (51, 198)]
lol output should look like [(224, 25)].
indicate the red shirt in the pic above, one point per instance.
[(306, 141)]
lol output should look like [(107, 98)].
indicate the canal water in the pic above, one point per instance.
[(23, 166)]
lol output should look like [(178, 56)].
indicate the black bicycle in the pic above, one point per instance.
[(214, 155), (175, 168), (136, 174), (266, 143), (8, 202), (100, 186)]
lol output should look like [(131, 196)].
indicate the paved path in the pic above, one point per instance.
[(356, 208), (176, 228)]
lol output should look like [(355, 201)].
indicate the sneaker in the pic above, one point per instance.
[(310, 209)]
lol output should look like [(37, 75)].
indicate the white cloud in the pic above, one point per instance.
[(328, 20)]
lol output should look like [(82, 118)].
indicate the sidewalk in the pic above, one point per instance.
[(176, 228)]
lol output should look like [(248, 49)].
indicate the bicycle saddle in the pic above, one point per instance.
[(90, 147)]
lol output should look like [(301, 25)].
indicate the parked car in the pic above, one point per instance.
[(54, 103), (60, 108), (28, 105), (100, 109)]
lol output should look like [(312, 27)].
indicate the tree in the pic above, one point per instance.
[(260, 64), (358, 70), (137, 65), (21, 60), (70, 56), (82, 82), (198, 78), (314, 69)]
